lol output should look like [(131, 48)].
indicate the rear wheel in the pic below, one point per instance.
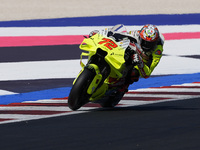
[(78, 95), (113, 99)]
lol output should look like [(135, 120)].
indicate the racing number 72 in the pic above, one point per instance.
[(108, 43)]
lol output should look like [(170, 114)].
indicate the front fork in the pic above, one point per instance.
[(96, 80), (97, 87)]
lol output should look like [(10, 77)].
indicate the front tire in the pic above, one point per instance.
[(78, 95)]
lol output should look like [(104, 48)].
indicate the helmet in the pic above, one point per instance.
[(148, 37)]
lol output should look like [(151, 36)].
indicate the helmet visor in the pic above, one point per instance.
[(147, 45)]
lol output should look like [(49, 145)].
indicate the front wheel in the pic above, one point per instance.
[(78, 95)]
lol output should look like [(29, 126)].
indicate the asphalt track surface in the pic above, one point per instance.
[(162, 126)]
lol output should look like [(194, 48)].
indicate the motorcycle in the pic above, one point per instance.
[(105, 73)]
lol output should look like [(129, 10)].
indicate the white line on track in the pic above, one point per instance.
[(170, 90), (160, 95), (45, 108), (47, 101), (56, 31)]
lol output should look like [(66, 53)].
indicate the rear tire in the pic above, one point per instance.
[(113, 100), (78, 95)]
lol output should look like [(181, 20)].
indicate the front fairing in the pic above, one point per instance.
[(115, 53)]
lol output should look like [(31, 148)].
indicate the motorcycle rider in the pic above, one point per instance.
[(143, 52), (149, 44)]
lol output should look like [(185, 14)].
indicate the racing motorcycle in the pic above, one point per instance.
[(104, 74)]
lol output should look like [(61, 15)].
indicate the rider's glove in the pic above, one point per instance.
[(137, 60), (132, 47), (93, 33)]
